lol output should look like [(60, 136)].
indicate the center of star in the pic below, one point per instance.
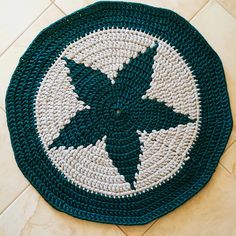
[(118, 111)]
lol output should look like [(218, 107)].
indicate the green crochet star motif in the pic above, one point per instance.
[(117, 112)]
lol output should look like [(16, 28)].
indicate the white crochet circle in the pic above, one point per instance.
[(163, 152)]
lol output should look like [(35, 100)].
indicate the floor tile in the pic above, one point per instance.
[(212, 212), (69, 6), (137, 230), (16, 16), (231, 140), (9, 60), (32, 216), (229, 161), (219, 29), (231, 86), (185, 8), (12, 182), (229, 5)]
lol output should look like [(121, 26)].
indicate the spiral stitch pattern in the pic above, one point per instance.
[(118, 113)]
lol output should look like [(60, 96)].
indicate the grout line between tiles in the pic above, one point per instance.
[(195, 14), (25, 189), (222, 165), (224, 8), (59, 8), (2, 109), (121, 230), (228, 172), (230, 145), (149, 227), (25, 29)]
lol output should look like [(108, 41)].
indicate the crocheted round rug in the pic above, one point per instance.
[(118, 113)]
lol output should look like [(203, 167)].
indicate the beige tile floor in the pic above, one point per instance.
[(23, 212)]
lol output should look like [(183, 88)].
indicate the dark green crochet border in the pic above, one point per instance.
[(215, 117)]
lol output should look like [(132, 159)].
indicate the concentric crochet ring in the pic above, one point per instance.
[(118, 113)]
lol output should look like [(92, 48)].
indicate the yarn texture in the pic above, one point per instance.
[(118, 113)]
